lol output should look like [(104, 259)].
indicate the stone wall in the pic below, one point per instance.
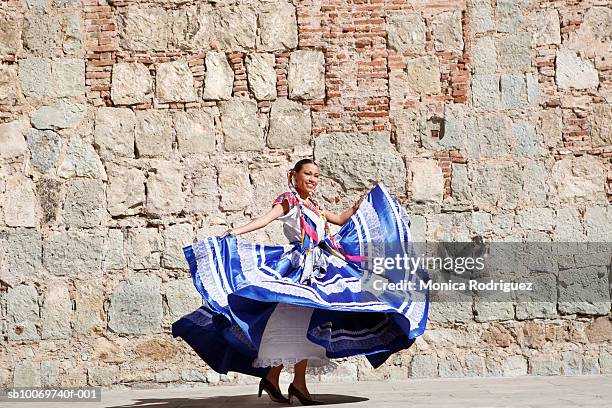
[(129, 128)]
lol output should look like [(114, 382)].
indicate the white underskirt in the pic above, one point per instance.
[(284, 341)]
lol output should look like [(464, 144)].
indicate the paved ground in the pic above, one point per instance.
[(517, 392)]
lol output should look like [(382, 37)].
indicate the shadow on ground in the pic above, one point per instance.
[(234, 401)]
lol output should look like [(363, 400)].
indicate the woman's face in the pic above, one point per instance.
[(307, 178)]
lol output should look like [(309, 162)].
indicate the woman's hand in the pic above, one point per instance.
[(227, 232), (358, 203)]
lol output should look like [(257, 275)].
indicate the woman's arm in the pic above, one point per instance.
[(344, 216), (261, 221)]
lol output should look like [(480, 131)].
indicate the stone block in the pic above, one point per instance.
[(164, 188), (261, 75), (584, 290), (131, 83), (236, 27), (126, 190), (514, 51), (114, 132), (153, 133), (56, 312), (12, 140), (136, 306), (35, 77), (290, 124), (278, 28), (45, 147), (195, 132), (426, 181), (22, 313), (20, 202), (21, 249), (424, 75), (143, 247), (235, 187), (174, 82), (240, 125), (85, 204), (219, 79), (176, 237), (373, 151), (182, 297), (73, 253), (574, 72), (89, 316), (306, 75), (69, 77), (447, 31), (406, 32), (62, 114), (142, 28)]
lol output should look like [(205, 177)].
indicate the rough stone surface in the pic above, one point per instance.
[(306, 75), (261, 75), (574, 72), (136, 306), (72, 253), (424, 75), (56, 312), (290, 124), (278, 27), (143, 247), (131, 83), (175, 238), (514, 51), (126, 191), (81, 160), (545, 27), (236, 27), (182, 298), (153, 133), (85, 203), (45, 147), (174, 82), (20, 202), (114, 132), (35, 77), (372, 150), (89, 315), (143, 28), (22, 312), (236, 190), (601, 125), (192, 26), (61, 115), (195, 131), (164, 193), (406, 32), (21, 250), (240, 125), (69, 77), (425, 181), (578, 180), (219, 77), (447, 31), (12, 140)]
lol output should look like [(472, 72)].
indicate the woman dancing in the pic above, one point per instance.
[(302, 304)]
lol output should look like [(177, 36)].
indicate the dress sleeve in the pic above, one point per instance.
[(286, 195)]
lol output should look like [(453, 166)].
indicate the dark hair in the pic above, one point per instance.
[(298, 166)]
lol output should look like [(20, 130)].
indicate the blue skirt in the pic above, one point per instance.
[(241, 283)]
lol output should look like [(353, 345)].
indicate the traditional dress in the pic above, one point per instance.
[(266, 305)]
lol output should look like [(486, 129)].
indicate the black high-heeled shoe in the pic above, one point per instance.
[(304, 400), (273, 392)]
